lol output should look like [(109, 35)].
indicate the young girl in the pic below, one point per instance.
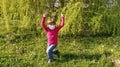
[(52, 35)]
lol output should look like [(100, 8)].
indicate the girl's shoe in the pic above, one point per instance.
[(50, 60)]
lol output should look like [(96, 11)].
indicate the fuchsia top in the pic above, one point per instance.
[(52, 35)]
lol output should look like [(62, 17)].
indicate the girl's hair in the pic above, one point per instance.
[(51, 21)]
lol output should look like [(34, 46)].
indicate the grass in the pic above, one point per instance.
[(74, 52)]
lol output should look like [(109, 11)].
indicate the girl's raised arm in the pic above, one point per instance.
[(43, 22), (62, 22)]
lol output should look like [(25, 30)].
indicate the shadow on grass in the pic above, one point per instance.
[(84, 56)]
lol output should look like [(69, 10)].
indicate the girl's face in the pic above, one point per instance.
[(51, 25)]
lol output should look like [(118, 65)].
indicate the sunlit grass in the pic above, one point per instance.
[(80, 51)]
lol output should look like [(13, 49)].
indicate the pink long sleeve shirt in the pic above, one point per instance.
[(52, 35)]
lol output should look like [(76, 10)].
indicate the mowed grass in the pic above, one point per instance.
[(74, 52)]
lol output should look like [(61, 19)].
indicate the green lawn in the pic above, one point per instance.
[(74, 52)]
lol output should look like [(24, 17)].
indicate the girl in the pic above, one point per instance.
[(52, 35)]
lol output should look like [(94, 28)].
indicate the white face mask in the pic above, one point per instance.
[(51, 27)]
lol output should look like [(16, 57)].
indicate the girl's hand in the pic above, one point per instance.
[(45, 14), (62, 15)]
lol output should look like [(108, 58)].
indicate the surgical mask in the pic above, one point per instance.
[(51, 27)]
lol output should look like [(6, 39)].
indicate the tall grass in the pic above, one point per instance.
[(82, 17)]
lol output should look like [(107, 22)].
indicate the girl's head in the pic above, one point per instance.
[(51, 24)]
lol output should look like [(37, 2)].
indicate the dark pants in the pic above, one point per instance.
[(50, 51)]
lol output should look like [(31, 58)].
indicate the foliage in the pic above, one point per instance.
[(72, 13), (82, 17)]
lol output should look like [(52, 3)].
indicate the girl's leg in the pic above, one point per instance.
[(50, 52), (56, 52)]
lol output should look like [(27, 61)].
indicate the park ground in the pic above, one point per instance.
[(79, 51)]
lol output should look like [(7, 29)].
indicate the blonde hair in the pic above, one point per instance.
[(51, 21)]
